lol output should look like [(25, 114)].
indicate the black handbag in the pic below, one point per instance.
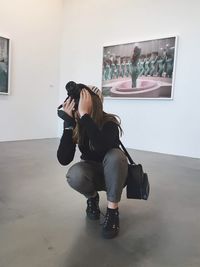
[(137, 183)]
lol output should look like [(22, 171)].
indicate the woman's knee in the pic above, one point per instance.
[(115, 169), (115, 156), (75, 176)]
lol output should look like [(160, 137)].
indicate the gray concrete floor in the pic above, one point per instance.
[(42, 220)]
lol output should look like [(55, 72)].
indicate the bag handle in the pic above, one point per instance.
[(127, 154)]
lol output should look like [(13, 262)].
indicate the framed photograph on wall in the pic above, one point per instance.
[(139, 70), (4, 65)]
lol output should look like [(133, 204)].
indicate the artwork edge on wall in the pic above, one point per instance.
[(5, 62), (118, 86)]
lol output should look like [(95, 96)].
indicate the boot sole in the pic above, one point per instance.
[(109, 235), (93, 217)]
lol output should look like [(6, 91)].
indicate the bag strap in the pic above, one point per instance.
[(127, 154)]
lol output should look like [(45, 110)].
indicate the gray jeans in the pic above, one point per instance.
[(87, 177)]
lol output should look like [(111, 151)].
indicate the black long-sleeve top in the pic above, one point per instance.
[(101, 140)]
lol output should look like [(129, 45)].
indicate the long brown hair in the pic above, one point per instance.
[(100, 118)]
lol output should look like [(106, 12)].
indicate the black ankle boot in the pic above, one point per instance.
[(111, 223), (93, 211)]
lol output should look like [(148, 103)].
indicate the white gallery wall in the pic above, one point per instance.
[(166, 126), (34, 27), (40, 67)]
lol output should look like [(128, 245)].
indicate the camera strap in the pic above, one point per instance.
[(127, 154)]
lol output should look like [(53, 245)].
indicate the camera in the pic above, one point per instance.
[(73, 90)]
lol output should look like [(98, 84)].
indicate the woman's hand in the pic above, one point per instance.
[(85, 103), (68, 106)]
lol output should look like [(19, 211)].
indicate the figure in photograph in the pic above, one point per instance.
[(153, 61), (3, 77), (123, 66), (107, 71), (141, 64), (134, 66), (169, 66), (118, 68)]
